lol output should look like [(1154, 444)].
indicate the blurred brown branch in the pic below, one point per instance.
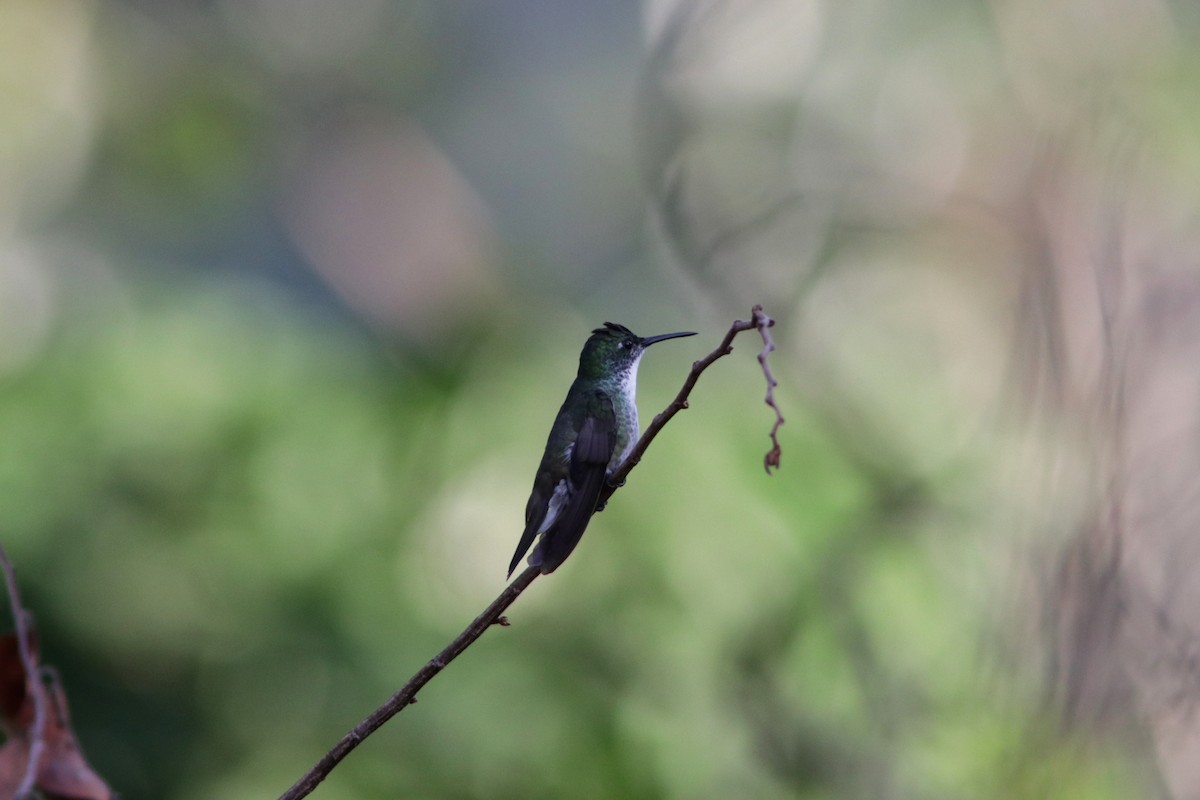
[(492, 615), (34, 689), (40, 755)]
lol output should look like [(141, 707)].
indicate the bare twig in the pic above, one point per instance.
[(33, 682), (762, 322), (408, 692), (492, 615)]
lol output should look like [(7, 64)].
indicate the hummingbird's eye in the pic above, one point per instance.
[(628, 343)]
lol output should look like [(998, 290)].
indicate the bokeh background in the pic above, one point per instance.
[(290, 291)]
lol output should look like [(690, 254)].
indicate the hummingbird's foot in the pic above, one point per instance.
[(613, 487)]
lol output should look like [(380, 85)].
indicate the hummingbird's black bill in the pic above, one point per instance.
[(649, 340)]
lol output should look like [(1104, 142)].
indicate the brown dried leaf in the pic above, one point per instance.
[(16, 710), (14, 754), (64, 772)]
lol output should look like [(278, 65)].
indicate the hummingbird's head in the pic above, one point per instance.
[(615, 350)]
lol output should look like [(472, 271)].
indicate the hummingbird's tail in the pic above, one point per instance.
[(522, 546)]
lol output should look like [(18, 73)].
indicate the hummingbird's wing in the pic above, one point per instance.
[(589, 465), (563, 516)]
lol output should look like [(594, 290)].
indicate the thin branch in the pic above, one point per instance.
[(408, 692), (492, 614), (33, 681)]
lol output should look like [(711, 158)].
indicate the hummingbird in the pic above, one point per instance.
[(594, 432)]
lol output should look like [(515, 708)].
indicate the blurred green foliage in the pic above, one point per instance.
[(241, 529)]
